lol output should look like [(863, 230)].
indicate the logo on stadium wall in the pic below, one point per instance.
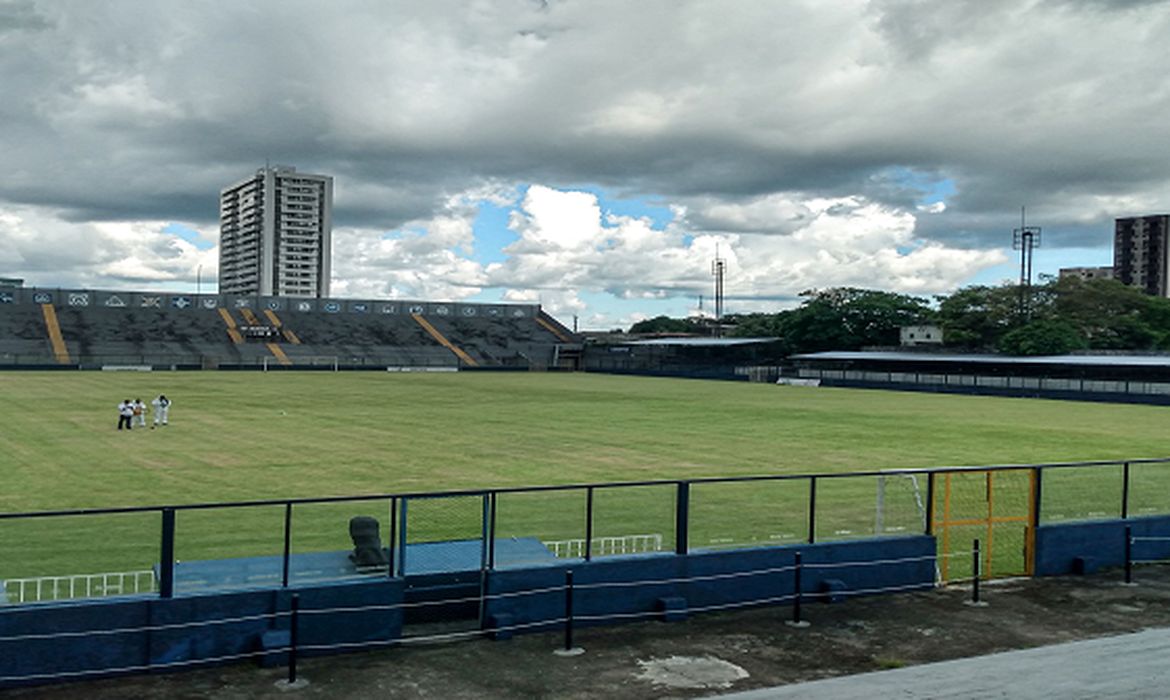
[(442, 310), (493, 312), (243, 303), (389, 309), (42, 298), (78, 299), (210, 302), (5, 297), (332, 307), (416, 310), (468, 310), (518, 313), (115, 302), (360, 308), (151, 302), (181, 302), (304, 306), (274, 306)]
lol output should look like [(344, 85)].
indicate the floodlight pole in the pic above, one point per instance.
[(718, 268), (1024, 239)]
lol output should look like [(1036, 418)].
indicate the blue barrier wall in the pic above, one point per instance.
[(48, 642), (102, 637), (1081, 548), (605, 590)]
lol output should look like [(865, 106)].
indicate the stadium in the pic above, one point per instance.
[(436, 500)]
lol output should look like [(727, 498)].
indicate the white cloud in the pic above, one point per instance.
[(46, 251), (766, 127)]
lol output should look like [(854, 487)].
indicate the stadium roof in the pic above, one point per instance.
[(1083, 360), (703, 342)]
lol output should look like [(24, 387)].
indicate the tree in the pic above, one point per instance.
[(1108, 314), (756, 325), (1042, 337), (976, 317), (665, 324), (847, 318)]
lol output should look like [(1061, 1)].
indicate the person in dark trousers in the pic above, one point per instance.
[(126, 414)]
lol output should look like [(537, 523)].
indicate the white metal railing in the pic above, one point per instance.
[(602, 546), (41, 588)]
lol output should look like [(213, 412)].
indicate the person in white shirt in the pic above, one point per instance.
[(161, 406), (126, 414), (139, 413)]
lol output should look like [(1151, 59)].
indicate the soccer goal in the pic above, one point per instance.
[(900, 508), (323, 361)]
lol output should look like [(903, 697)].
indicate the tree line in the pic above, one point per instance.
[(1053, 317)]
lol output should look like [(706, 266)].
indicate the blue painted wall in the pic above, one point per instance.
[(1098, 544), (161, 631), (727, 578)]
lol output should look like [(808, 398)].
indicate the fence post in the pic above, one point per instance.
[(392, 539), (292, 638), (682, 518), (287, 544), (1037, 497), (491, 530), (1128, 554), (568, 610), (166, 566), (812, 509), (588, 524), (930, 504), (975, 565), (1125, 491), (797, 568), (569, 649)]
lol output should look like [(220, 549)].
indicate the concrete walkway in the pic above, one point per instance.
[(1130, 666)]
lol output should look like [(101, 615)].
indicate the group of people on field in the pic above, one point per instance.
[(134, 412)]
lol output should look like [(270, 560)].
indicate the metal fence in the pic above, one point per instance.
[(282, 543)]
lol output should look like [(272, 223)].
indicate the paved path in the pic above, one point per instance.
[(1130, 666)]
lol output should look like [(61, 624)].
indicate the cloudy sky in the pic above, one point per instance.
[(592, 155)]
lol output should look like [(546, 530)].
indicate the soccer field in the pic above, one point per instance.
[(244, 436)]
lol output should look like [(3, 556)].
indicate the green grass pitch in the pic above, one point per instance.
[(254, 436)]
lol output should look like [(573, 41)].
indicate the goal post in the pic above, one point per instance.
[(300, 361), (900, 507)]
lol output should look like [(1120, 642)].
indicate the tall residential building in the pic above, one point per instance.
[(275, 231), (1140, 246)]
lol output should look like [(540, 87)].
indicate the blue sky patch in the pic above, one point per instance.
[(188, 234)]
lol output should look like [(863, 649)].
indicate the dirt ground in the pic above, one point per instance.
[(703, 656)]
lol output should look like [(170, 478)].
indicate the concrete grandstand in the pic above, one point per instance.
[(95, 328)]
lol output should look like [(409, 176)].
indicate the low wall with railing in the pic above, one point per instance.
[(56, 642), (498, 561)]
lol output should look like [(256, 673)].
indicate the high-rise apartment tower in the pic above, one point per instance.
[(275, 231), (1140, 248)]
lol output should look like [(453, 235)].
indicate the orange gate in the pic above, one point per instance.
[(994, 507)]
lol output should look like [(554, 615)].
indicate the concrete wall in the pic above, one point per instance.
[(704, 579), (152, 632), (1082, 548)]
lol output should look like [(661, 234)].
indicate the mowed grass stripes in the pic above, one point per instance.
[(247, 435), (254, 436)]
